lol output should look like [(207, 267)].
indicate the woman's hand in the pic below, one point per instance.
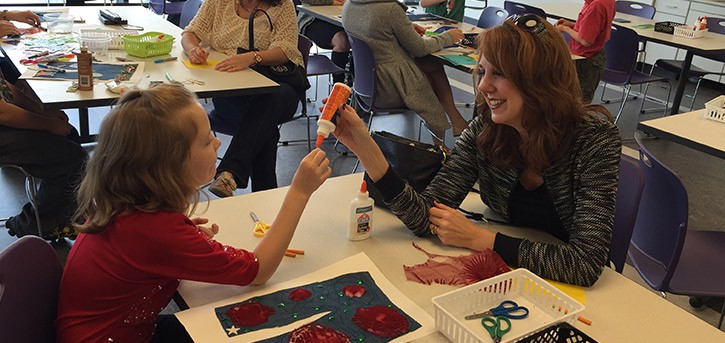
[(7, 28), (350, 129), (59, 127), (453, 228), (209, 231), (314, 169), (197, 55), (27, 17), (236, 63), (338, 2), (418, 28)]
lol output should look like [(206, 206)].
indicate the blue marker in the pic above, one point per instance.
[(55, 69), (168, 59)]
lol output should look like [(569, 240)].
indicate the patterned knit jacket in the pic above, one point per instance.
[(582, 187)]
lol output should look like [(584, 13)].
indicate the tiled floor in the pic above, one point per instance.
[(701, 173)]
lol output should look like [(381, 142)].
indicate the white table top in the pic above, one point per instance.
[(620, 309), (710, 42), (691, 129), (53, 94)]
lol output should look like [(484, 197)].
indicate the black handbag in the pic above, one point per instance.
[(288, 73), (415, 162)]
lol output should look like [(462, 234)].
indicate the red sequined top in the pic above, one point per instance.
[(116, 282)]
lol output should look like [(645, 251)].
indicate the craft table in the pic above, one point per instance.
[(690, 129), (215, 83), (620, 309)]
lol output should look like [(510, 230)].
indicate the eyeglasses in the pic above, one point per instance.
[(528, 22)]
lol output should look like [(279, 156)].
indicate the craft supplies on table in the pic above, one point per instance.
[(116, 42), (148, 44), (559, 333), (546, 305)]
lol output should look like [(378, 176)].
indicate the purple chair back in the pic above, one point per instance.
[(29, 280), (629, 192), (716, 25), (518, 8), (365, 70), (621, 52), (492, 16), (304, 45), (188, 12), (661, 226), (162, 7), (635, 8)]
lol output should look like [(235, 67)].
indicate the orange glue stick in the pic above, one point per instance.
[(339, 95)]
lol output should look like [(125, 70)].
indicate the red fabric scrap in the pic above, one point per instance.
[(354, 291), (300, 294), (316, 333), (381, 321), (250, 314), (456, 270)]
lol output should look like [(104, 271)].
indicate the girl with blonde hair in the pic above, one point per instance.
[(155, 150)]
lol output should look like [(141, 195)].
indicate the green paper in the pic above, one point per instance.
[(644, 26), (459, 60)]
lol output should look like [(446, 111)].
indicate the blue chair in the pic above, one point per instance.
[(29, 281), (621, 52), (668, 256), (629, 192), (714, 24), (638, 9), (519, 8), (188, 12), (162, 7), (492, 16)]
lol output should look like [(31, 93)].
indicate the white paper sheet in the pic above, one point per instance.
[(203, 325)]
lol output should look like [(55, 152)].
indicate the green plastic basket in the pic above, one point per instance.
[(148, 44)]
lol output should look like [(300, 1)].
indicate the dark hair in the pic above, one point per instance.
[(539, 65), (140, 162)]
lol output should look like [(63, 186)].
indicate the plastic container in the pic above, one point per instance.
[(361, 215), (559, 333), (116, 36), (148, 44), (666, 26), (715, 109), (687, 32), (97, 43), (547, 305), (59, 22)]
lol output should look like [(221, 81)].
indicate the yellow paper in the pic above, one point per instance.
[(576, 292), (208, 65)]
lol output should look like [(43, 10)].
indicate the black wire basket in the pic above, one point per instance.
[(559, 333)]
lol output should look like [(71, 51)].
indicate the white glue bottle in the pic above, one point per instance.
[(361, 215)]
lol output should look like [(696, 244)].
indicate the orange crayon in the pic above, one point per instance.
[(339, 95), (296, 251), (289, 254), (584, 320)]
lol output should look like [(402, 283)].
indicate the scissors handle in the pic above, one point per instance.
[(511, 310), (495, 327)]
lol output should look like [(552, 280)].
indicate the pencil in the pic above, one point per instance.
[(296, 251), (584, 320), (289, 254)]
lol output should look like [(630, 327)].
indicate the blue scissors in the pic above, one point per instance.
[(506, 308), (496, 327)]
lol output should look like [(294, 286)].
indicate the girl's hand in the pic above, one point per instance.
[(453, 228), (350, 129), (338, 2), (197, 55), (209, 231), (450, 4), (236, 63), (27, 17), (314, 169), (564, 22)]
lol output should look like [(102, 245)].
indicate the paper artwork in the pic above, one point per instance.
[(349, 301), (456, 270), (119, 72)]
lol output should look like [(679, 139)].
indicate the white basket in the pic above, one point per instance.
[(547, 305), (687, 32), (116, 36), (715, 109)]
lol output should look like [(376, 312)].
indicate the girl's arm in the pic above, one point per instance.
[(313, 171)]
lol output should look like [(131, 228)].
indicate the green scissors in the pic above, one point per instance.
[(495, 327)]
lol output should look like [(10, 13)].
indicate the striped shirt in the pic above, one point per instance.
[(582, 187)]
